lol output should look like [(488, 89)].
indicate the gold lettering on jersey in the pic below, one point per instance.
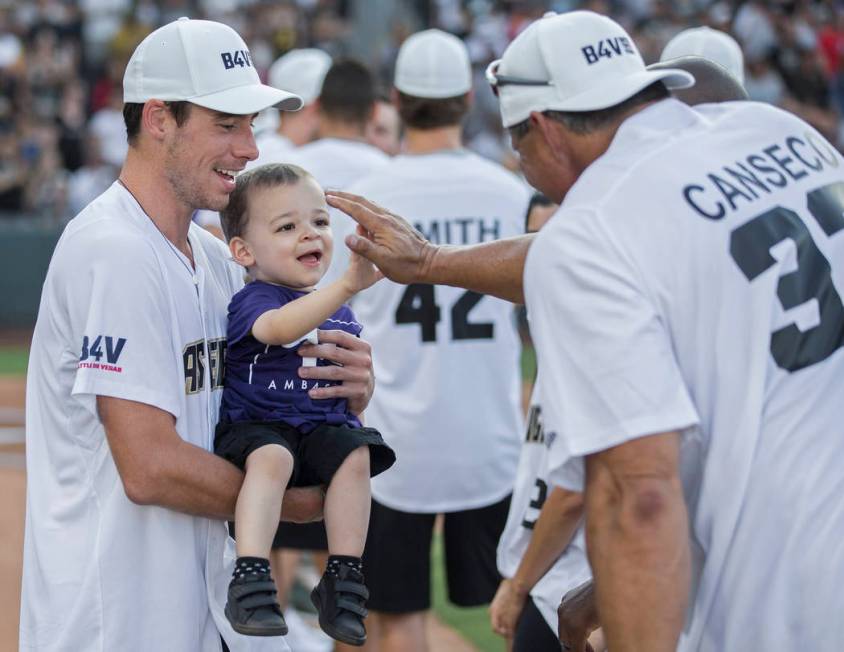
[(195, 362)]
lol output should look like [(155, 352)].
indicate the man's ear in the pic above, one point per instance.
[(241, 252), (156, 118), (552, 132)]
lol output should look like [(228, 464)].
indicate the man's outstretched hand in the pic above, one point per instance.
[(384, 238)]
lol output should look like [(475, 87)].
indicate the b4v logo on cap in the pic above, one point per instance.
[(607, 48), (237, 58)]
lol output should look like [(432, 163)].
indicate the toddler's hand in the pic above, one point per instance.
[(361, 274)]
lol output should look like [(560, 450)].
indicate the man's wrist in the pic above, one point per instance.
[(428, 263), (520, 587)]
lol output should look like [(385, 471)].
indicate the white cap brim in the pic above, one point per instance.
[(612, 93), (518, 102), (245, 100)]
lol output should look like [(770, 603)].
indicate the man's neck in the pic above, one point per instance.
[(587, 148), (425, 141), (296, 131), (342, 130), (152, 191)]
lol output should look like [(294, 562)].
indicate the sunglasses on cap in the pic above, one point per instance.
[(496, 81)]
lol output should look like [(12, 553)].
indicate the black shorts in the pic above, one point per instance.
[(397, 557), (533, 633), (316, 455)]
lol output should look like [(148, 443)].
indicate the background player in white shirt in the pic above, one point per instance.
[(125, 548), (340, 155), (689, 345), (541, 553), (300, 71), (441, 350), (711, 44)]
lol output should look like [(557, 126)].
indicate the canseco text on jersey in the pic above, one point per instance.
[(753, 176)]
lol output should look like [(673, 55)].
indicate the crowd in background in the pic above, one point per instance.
[(62, 139)]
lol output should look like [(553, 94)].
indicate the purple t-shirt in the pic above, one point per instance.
[(262, 381)]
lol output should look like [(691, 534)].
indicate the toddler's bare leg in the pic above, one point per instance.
[(347, 504), (268, 471)]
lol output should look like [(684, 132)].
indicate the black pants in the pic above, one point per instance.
[(533, 633)]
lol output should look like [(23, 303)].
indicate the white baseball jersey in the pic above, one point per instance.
[(691, 282), (446, 359), (529, 493), (122, 314), (337, 163), (272, 148)]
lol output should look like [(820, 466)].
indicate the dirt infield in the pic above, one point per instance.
[(12, 489)]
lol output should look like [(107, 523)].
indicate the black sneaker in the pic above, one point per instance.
[(341, 604), (252, 608)]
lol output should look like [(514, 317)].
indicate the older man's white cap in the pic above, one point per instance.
[(577, 61), (300, 71), (204, 63), (717, 46), (433, 64)]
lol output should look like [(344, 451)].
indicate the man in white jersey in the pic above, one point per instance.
[(531, 543), (447, 359), (711, 44), (300, 71), (541, 553), (340, 154), (685, 304), (125, 546)]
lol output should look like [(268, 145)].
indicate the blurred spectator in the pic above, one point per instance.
[(831, 42), (110, 130), (13, 172), (91, 179), (762, 82), (71, 119)]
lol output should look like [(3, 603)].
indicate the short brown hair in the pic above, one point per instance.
[(234, 217), (132, 112), (348, 92), (428, 113)]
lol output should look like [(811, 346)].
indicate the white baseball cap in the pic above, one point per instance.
[(577, 61), (712, 44), (300, 71), (433, 64), (204, 63)]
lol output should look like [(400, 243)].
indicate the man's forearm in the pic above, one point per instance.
[(158, 467), (639, 551), (493, 268), (194, 481), (551, 535)]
